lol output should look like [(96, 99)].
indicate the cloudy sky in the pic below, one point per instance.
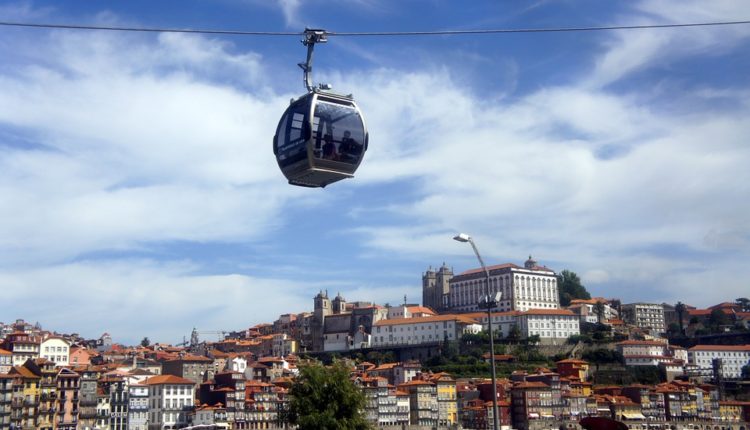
[(139, 194)]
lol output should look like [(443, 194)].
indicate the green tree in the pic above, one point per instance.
[(680, 309), (145, 342), (717, 319), (324, 398), (514, 334), (599, 311), (570, 287), (533, 339)]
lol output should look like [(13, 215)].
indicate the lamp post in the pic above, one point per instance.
[(488, 301)]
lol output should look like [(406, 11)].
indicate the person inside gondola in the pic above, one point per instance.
[(349, 149), (329, 148)]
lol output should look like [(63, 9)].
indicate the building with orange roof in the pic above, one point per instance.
[(409, 311), (530, 401), (25, 397), (730, 359), (262, 404), (171, 398), (227, 388), (573, 368), (423, 403), (380, 401), (211, 416), (426, 330), (652, 403), (47, 372), (23, 346), (67, 407), (446, 397), (652, 353), (81, 355), (530, 286), (735, 411)]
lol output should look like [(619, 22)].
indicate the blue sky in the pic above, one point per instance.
[(140, 195)]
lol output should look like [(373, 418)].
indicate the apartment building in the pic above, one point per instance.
[(423, 402), (171, 399), (138, 407), (647, 316)]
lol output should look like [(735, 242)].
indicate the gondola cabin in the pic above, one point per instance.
[(320, 139)]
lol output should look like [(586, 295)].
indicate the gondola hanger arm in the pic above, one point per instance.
[(311, 37)]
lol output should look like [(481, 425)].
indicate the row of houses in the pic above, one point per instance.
[(166, 387), (716, 361)]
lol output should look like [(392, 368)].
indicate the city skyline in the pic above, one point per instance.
[(140, 193)]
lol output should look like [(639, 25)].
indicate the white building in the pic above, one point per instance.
[(137, 407), (522, 288), (236, 363), (585, 309), (213, 417), (553, 326), (648, 353), (649, 316), (6, 361), (170, 399), (55, 349), (414, 331), (733, 358), (409, 311)]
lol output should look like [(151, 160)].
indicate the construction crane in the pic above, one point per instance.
[(195, 339)]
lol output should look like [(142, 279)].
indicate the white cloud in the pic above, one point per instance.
[(138, 145), (135, 298), (633, 51), (112, 142)]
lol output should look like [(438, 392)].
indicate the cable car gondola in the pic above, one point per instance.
[(322, 137)]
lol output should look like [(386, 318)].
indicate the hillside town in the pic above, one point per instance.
[(649, 365)]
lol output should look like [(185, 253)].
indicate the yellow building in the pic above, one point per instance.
[(25, 398), (573, 369), (731, 411), (446, 397)]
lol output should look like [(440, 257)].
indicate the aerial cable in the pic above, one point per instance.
[(377, 33)]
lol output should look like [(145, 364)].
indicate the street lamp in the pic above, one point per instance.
[(489, 302)]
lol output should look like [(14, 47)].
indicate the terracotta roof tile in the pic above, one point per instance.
[(167, 379)]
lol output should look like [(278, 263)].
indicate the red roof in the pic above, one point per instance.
[(436, 318), (561, 312), (527, 384), (167, 379), (642, 342), (721, 348)]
